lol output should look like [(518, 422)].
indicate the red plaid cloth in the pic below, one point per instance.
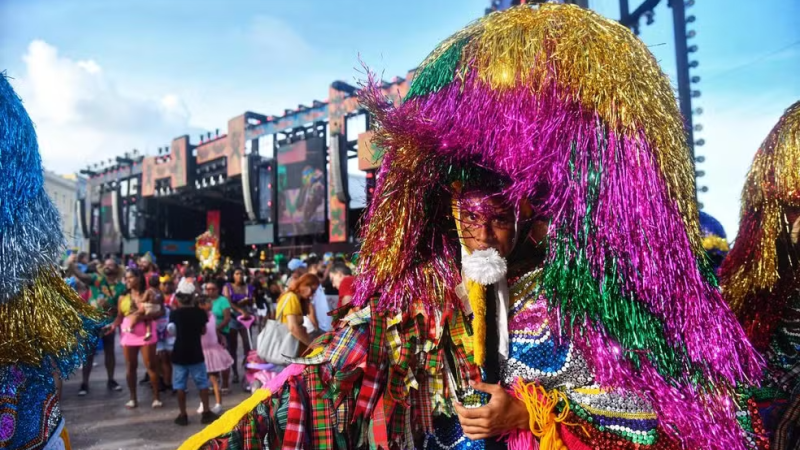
[(322, 414), (374, 374), (294, 436), (421, 401), (379, 430)]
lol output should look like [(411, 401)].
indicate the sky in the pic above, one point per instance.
[(100, 78)]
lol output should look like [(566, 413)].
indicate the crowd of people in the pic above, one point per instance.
[(148, 308)]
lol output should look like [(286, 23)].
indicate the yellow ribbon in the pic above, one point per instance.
[(541, 406)]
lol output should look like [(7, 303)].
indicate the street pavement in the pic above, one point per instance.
[(100, 421)]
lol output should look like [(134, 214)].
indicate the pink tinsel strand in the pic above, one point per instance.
[(698, 420)]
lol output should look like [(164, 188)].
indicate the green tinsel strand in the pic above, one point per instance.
[(437, 74), (707, 271), (569, 282)]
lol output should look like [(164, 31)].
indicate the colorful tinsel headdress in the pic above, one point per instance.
[(752, 273), (45, 328), (715, 240), (573, 109)]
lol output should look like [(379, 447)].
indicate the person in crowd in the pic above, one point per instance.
[(296, 268), (240, 294), (217, 358), (153, 282), (293, 307), (168, 289), (342, 280), (318, 306), (136, 335), (188, 325), (760, 277), (82, 261), (221, 309), (106, 286), (166, 341), (147, 265), (260, 292)]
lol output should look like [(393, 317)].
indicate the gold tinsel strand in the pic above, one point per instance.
[(599, 63), (45, 318), (772, 184)]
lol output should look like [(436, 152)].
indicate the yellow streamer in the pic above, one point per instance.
[(477, 300), (227, 422), (541, 405)]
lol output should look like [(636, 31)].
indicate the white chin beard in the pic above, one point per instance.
[(485, 267)]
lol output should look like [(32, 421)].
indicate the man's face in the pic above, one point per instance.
[(212, 291), (336, 279), (167, 287), (487, 223), (110, 267), (144, 264)]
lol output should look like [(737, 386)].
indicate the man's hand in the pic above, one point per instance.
[(503, 413)]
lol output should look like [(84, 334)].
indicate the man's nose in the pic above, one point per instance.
[(483, 232)]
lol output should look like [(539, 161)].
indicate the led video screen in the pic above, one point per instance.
[(302, 192)]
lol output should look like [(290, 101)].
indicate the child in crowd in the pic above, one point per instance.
[(217, 358), (188, 324)]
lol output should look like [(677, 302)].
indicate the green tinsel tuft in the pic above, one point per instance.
[(707, 271), (568, 281), (438, 73)]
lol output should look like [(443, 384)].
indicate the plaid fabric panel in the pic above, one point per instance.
[(422, 404), (294, 438), (371, 384), (380, 434), (466, 369), (349, 348), (397, 428), (247, 434), (399, 376), (322, 414), (395, 344)]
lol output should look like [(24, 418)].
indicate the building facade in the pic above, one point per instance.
[(64, 190)]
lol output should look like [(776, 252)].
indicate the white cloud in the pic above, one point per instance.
[(81, 117), (278, 41)]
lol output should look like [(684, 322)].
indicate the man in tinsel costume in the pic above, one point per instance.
[(46, 330), (714, 238), (534, 224), (760, 276)]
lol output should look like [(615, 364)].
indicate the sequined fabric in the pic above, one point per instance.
[(29, 410)]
